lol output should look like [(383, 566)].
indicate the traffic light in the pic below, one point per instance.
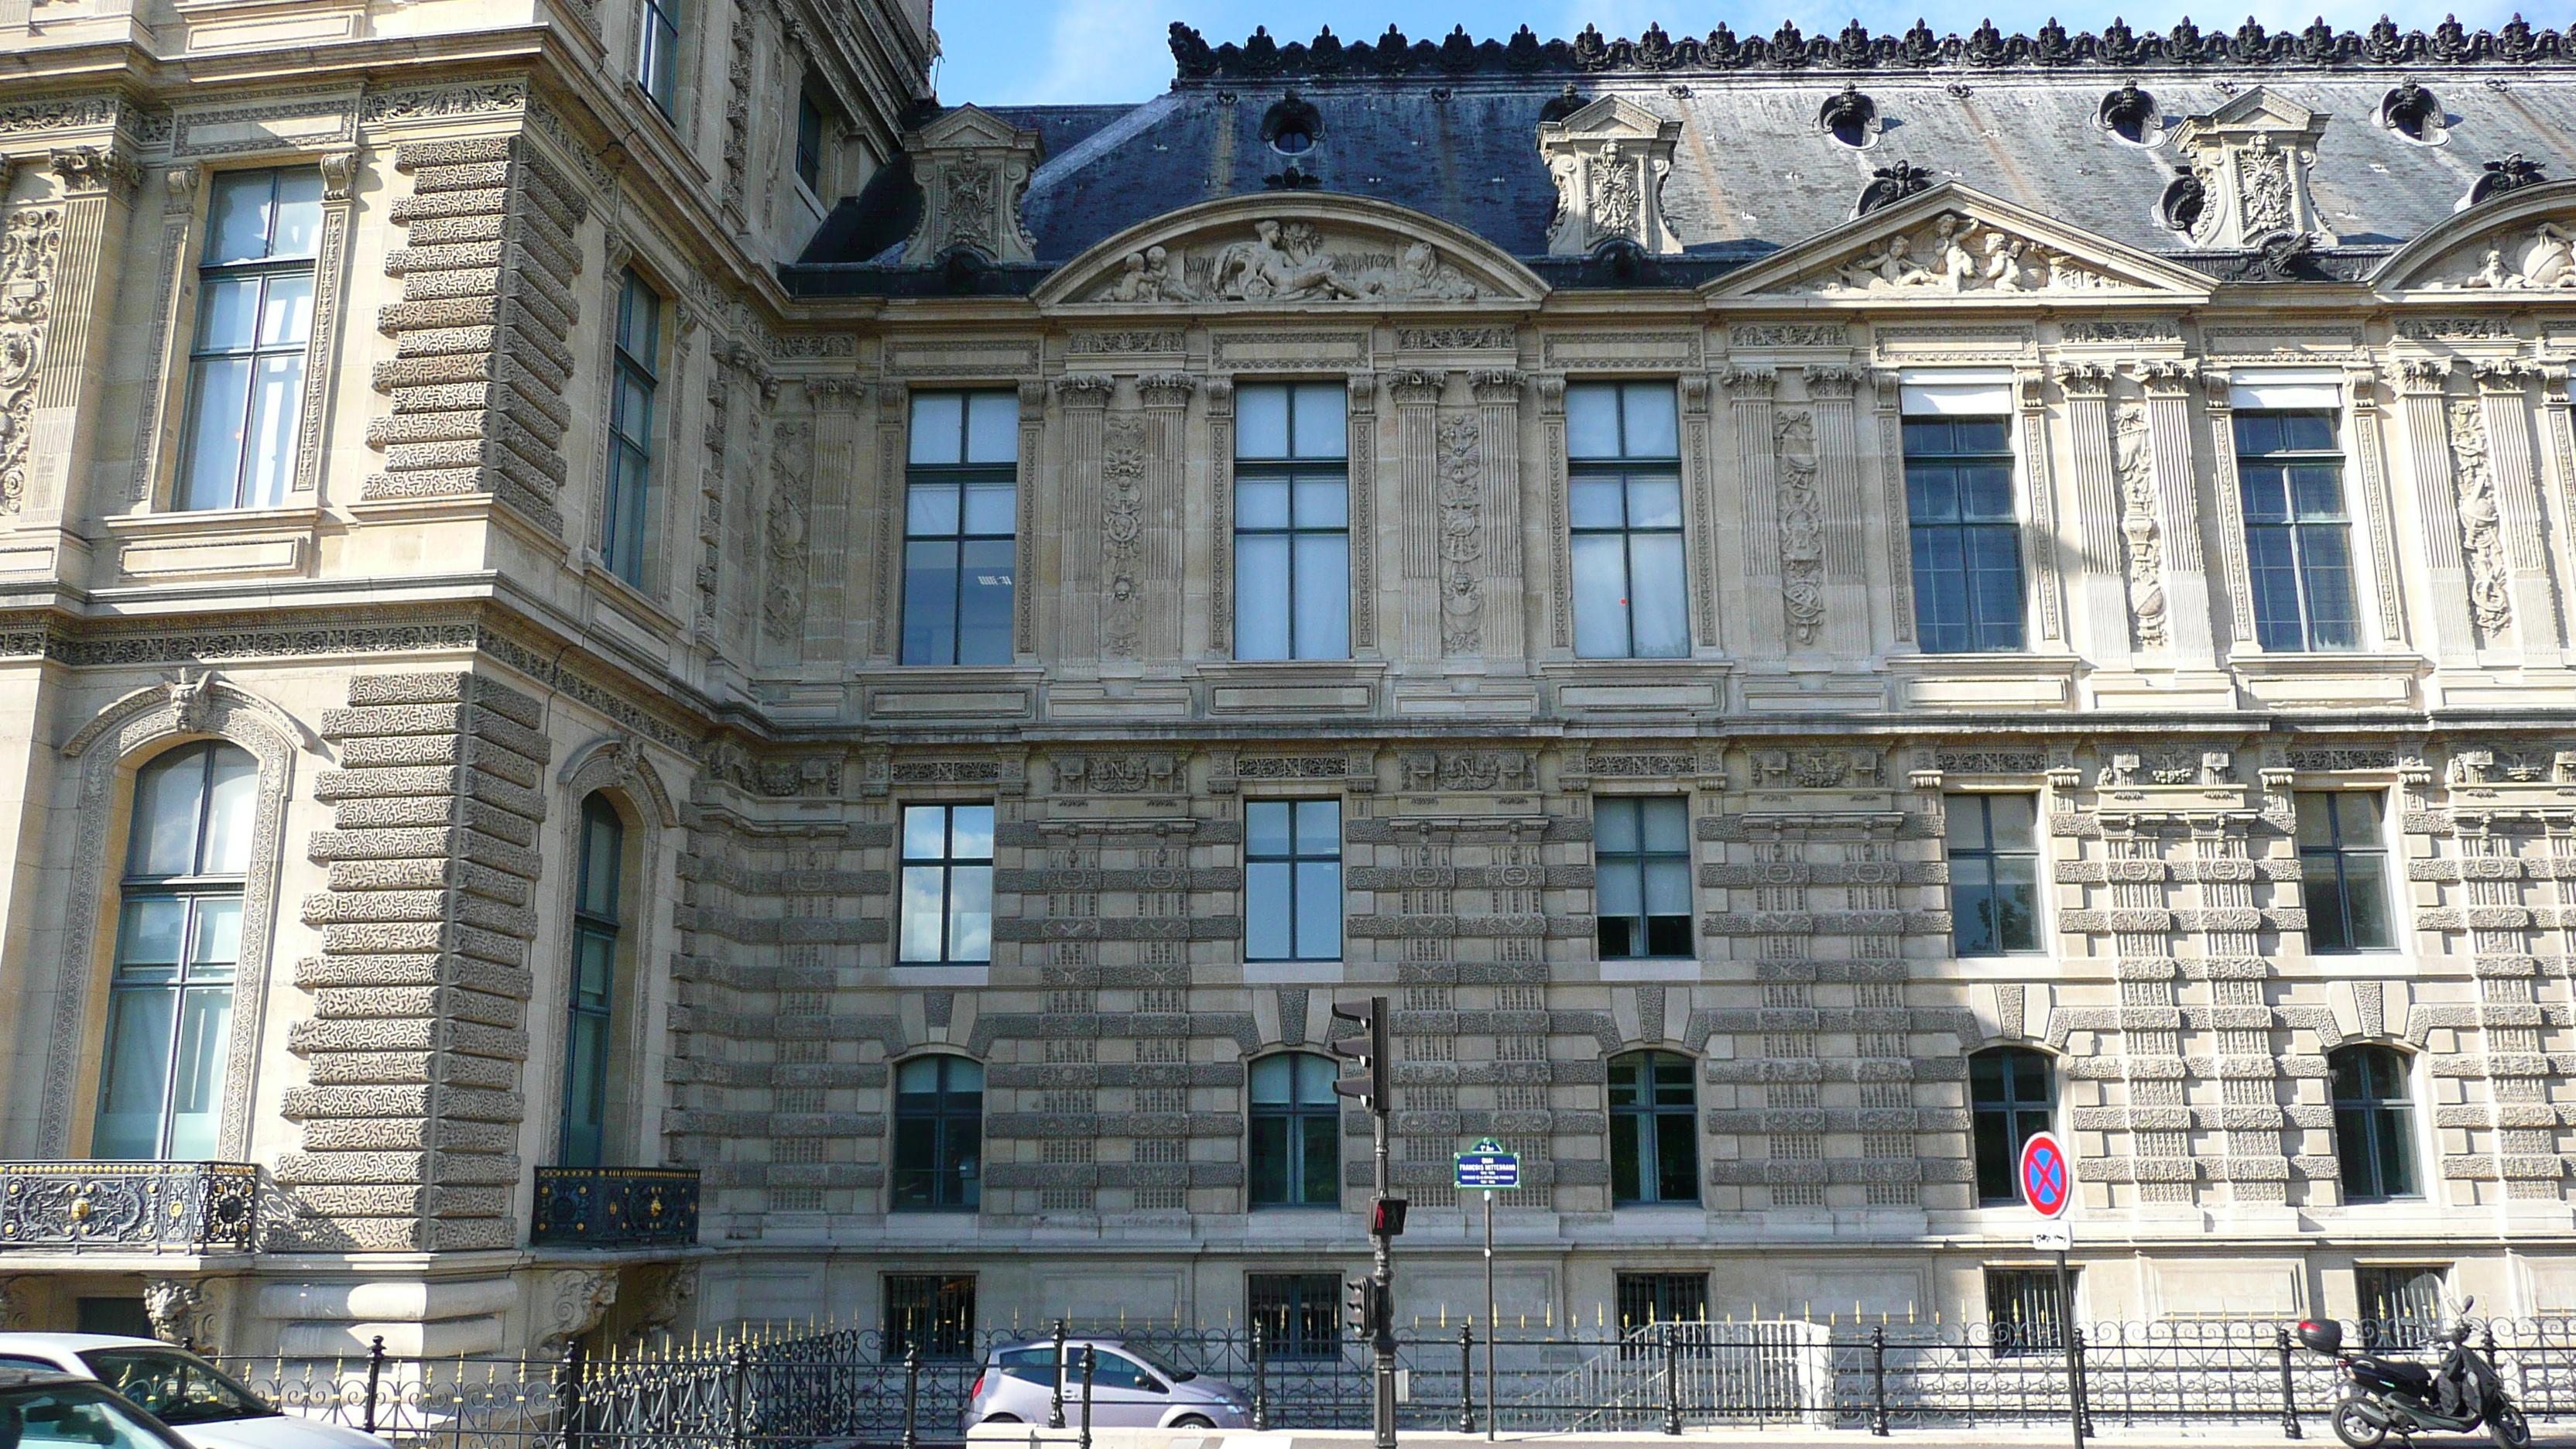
[(1367, 1053), (1386, 1217), (1359, 1305)]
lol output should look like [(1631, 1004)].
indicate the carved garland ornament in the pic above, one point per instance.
[(782, 606), (2481, 537), (29, 246), (1122, 524), (1802, 524), (1462, 540), (1958, 253), (1286, 261), (2129, 463)]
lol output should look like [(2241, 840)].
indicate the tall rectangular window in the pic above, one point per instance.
[(626, 524), (2298, 539), (961, 498), (809, 143), (1292, 522), (589, 1043), (947, 884), (254, 321), (1993, 849), (1641, 853), (178, 942), (2343, 867), (657, 52), (1966, 536), (1292, 889), (1623, 447)]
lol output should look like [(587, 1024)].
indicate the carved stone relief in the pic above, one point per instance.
[(1956, 252), (2481, 539), (1462, 539), (1609, 161), (1122, 522), (2543, 261), (2132, 470), (1802, 526), (974, 168), (782, 606), (1288, 261), (29, 245), (2250, 160)]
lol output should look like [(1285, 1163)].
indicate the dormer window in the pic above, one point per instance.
[(1849, 117), (2414, 113), (1291, 126), (2130, 114)]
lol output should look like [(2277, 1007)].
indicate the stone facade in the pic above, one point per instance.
[(427, 653)]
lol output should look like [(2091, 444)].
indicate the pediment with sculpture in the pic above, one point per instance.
[(2523, 241), (1271, 250), (1953, 241)]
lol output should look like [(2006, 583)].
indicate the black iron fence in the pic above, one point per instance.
[(840, 1387), (156, 1207), (615, 1207)]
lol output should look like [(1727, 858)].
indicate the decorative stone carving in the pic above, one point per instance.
[(782, 605), (2132, 469), (973, 169), (1802, 526), (1609, 160), (1470, 770), (1288, 261), (1118, 774), (2481, 539), (2542, 261), (2251, 158), (1462, 539), (1122, 526), (667, 1298), (576, 1299), (175, 1307), (93, 170), (1956, 252), (30, 244)]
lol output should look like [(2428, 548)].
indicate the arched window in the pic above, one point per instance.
[(589, 1041), (2374, 1123), (938, 1135), (1296, 1132), (178, 935), (1654, 1129), (2012, 1093)]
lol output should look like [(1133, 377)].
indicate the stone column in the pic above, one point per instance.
[(2106, 601), (1363, 475), (1417, 518), (1024, 582), (2031, 389), (881, 641), (1504, 588), (322, 350), (1700, 493), (164, 388), (2174, 486), (1838, 484), (1220, 551), (2370, 452), (1084, 398), (2421, 409), (1750, 409), (2229, 496), (1558, 540), (840, 452), (1167, 398), (1887, 401), (72, 252), (2505, 406)]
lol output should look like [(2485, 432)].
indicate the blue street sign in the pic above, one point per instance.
[(1488, 1166)]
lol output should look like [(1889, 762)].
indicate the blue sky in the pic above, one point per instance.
[(1022, 52)]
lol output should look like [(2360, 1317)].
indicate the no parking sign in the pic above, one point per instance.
[(2047, 1179)]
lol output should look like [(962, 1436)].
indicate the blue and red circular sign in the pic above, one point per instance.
[(2047, 1178)]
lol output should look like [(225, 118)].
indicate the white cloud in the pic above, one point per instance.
[(1099, 51)]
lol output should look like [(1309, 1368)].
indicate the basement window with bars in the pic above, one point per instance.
[(933, 1310), (1299, 1313), (2025, 1313), (2401, 1303), (1651, 1298)]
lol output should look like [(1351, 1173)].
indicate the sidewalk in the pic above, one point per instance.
[(2254, 1434)]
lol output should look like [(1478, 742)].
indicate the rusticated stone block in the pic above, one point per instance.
[(412, 155)]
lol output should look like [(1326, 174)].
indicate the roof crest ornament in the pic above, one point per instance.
[(1654, 52)]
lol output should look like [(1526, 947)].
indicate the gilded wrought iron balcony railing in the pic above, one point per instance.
[(154, 1207), (616, 1207)]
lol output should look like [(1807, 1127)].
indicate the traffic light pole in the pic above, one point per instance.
[(1384, 1276)]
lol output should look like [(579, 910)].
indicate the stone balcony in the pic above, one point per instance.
[(615, 1207), (129, 1207)]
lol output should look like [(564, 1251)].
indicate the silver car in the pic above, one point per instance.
[(1130, 1389)]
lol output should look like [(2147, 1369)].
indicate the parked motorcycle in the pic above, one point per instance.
[(2397, 1396)]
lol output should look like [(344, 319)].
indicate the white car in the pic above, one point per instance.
[(199, 1402)]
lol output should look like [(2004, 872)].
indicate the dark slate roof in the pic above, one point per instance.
[(1453, 133)]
